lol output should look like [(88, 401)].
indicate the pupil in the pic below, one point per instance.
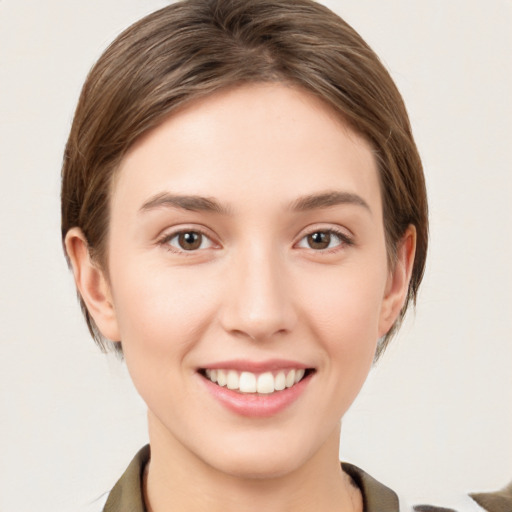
[(190, 240), (319, 240)]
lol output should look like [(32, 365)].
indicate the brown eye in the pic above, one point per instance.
[(319, 240), (324, 239), (187, 241), (190, 241)]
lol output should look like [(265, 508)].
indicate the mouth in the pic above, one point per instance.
[(265, 383)]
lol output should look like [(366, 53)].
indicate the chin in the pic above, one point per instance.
[(259, 466), (261, 458)]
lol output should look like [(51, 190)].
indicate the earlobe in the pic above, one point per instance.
[(92, 284), (397, 285)]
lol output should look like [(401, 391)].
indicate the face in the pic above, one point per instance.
[(248, 277)]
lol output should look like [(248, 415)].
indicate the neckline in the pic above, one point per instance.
[(127, 494)]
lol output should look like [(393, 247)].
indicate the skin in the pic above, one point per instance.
[(255, 289)]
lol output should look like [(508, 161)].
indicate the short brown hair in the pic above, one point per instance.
[(192, 48)]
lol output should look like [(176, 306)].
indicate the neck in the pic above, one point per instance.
[(178, 480)]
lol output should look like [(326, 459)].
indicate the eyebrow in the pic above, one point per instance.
[(185, 202), (205, 204), (327, 199)]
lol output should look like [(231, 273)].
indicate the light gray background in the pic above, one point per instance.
[(435, 417)]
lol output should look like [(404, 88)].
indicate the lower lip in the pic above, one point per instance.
[(257, 405)]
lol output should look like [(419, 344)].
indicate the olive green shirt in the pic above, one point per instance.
[(127, 495)]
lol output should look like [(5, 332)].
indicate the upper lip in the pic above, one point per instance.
[(255, 366)]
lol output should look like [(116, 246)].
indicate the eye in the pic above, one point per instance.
[(187, 241), (324, 239)]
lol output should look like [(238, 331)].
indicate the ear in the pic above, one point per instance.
[(92, 284), (397, 284)]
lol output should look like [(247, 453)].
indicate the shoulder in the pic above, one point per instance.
[(127, 494), (376, 496), (379, 498)]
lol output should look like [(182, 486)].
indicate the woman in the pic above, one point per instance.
[(244, 209)]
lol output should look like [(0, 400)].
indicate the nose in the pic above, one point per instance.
[(259, 302)]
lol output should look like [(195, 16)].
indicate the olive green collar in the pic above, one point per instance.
[(376, 496), (127, 496)]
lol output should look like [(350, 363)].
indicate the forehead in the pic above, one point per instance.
[(250, 138)]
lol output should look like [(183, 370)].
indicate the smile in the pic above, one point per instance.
[(263, 383)]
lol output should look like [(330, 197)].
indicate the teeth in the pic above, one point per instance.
[(290, 379), (299, 374), (233, 381), (222, 377), (266, 383), (248, 382), (280, 381)]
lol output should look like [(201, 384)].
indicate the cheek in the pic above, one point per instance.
[(161, 310), (162, 315), (346, 303), (343, 309)]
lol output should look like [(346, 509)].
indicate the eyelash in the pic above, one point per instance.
[(344, 240), (165, 241)]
